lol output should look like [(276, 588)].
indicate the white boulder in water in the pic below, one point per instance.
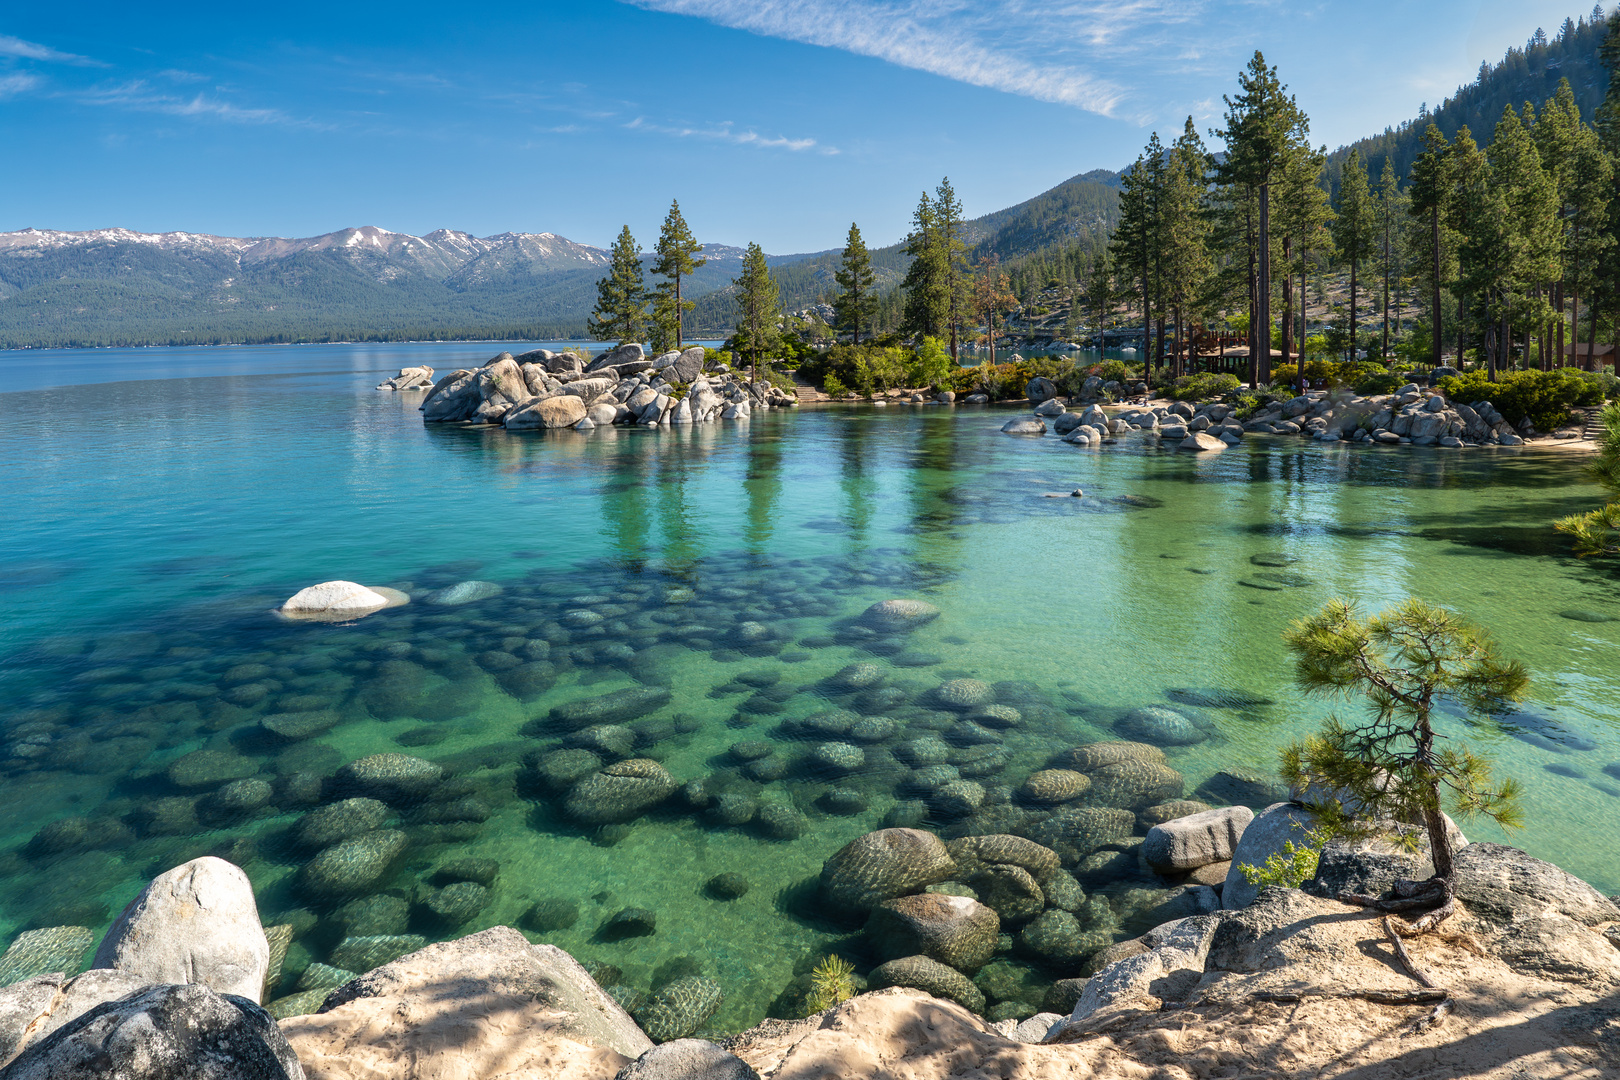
[(410, 378), (335, 601)]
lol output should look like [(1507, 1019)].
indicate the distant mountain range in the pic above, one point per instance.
[(118, 287)]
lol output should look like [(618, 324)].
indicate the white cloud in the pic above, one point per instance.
[(725, 132), (17, 83), (29, 50), (139, 95), (1024, 47)]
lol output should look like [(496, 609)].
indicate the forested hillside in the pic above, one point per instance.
[(1530, 74)]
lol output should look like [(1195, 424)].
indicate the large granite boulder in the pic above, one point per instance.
[(454, 397), (1263, 837), (197, 923), (951, 929), (334, 601), (686, 367), (881, 866), (555, 411), (1040, 389), (1196, 840), (184, 1032), (1078, 832), (489, 1004)]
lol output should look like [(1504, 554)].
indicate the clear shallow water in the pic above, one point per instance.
[(150, 524)]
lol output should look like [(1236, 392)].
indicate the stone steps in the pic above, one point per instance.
[(805, 391), (1593, 428)]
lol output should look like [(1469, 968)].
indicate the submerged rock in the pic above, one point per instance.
[(889, 616), (620, 792), (352, 865), (36, 952), (883, 865), (391, 777), (1160, 727), (619, 706), (680, 1008), (467, 592), (951, 929), (930, 976)]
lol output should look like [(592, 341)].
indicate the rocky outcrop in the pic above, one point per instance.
[(163, 1033), (410, 378), (687, 1059), (490, 1004), (1411, 415), (197, 923), (541, 389)]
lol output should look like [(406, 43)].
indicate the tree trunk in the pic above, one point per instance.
[(1352, 353), (1558, 342), (1384, 349), (1265, 281), (1288, 302), (1434, 238), (679, 314), (1254, 312)]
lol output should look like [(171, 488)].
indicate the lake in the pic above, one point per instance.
[(160, 501)]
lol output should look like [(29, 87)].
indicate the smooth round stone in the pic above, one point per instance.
[(963, 693), (760, 679), (1588, 616), (552, 914), (781, 821), (923, 751), (732, 809), (933, 777), (856, 676), (958, 797), (561, 768), (727, 886), (1055, 786), (296, 726), (680, 1009), (606, 740), (459, 902), (391, 777), (1273, 558), (750, 750), (906, 814), (477, 870), (889, 616), (843, 802), (353, 865), (340, 821), (467, 592), (242, 796), (996, 716), (620, 792), (209, 768), (872, 729), (628, 923), (767, 769), (831, 722), (1160, 727), (374, 916), (840, 757), (981, 761)]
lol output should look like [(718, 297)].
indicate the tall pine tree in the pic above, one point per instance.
[(1432, 193), (758, 310), (856, 301), (677, 248), (1354, 231), (621, 299)]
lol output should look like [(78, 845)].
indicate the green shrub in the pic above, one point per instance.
[(833, 388), (1544, 396), (931, 365), (1203, 387), (867, 369)]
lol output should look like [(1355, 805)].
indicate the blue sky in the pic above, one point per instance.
[(771, 120)]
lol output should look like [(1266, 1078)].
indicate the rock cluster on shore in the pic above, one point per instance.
[(543, 389), (1411, 415), (1209, 426), (1289, 985)]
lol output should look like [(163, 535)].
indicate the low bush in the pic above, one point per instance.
[(1203, 387), (1544, 396)]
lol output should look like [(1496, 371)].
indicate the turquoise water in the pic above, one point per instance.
[(151, 523)]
